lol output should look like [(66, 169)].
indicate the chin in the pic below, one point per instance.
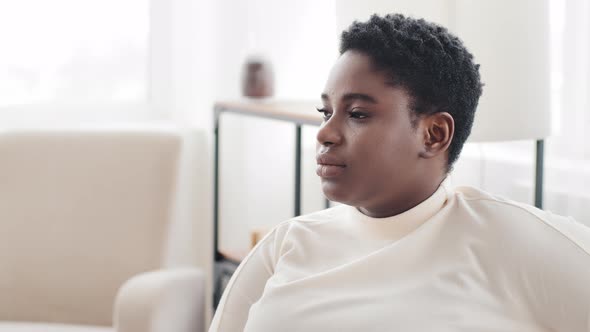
[(336, 193)]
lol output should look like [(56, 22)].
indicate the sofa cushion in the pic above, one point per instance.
[(81, 212), (42, 327)]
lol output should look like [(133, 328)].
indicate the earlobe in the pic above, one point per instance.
[(438, 133)]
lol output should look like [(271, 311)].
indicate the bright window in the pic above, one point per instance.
[(73, 51)]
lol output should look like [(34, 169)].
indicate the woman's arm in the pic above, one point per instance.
[(246, 285), (560, 291)]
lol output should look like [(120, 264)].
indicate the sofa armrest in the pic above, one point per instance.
[(162, 301)]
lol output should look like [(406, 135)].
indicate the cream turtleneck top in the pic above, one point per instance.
[(462, 260)]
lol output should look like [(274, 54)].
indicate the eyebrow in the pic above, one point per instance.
[(353, 96)]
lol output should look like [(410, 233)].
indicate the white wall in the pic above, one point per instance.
[(438, 11), (298, 38)]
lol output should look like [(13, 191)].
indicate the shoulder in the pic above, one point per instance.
[(312, 222), (528, 223), (298, 228), (542, 258)]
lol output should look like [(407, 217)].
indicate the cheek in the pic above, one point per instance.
[(388, 154)]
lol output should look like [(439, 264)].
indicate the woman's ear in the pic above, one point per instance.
[(438, 129)]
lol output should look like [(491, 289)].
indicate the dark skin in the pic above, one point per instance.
[(370, 154)]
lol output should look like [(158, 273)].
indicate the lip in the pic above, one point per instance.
[(329, 166), (328, 160)]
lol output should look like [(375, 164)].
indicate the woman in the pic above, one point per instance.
[(405, 251)]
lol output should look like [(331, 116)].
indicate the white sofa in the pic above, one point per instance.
[(84, 216)]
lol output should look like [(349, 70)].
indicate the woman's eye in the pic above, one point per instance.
[(358, 115), (326, 114)]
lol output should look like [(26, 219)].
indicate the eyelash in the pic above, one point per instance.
[(324, 112), (354, 115)]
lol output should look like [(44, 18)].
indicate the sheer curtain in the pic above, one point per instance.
[(571, 80), (568, 155)]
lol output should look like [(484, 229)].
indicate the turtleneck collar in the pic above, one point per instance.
[(411, 219)]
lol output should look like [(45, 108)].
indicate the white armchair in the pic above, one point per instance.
[(84, 219), (161, 301)]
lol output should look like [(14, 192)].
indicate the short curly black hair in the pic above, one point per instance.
[(428, 61)]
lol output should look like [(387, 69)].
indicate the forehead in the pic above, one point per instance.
[(354, 72)]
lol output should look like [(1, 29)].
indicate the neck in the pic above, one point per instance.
[(401, 202)]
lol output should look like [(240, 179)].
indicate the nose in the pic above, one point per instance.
[(330, 133)]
